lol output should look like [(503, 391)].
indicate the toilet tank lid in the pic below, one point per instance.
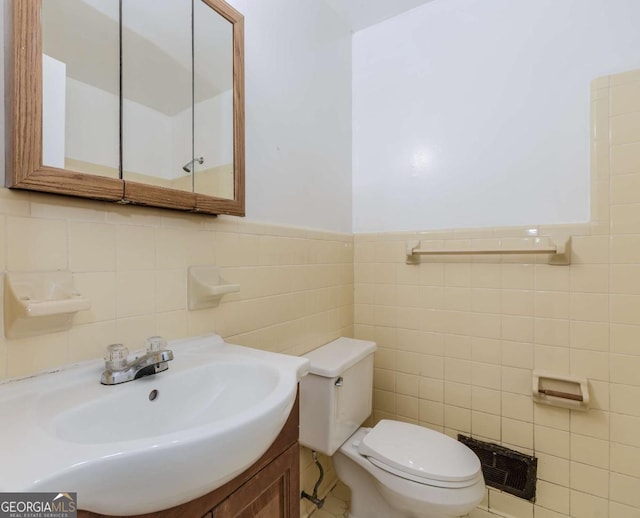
[(332, 359)]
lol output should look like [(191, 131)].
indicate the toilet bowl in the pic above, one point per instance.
[(380, 493), (395, 469)]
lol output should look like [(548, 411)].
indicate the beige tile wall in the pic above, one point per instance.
[(459, 337), (296, 284)]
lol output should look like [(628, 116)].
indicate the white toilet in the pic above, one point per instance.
[(395, 469)]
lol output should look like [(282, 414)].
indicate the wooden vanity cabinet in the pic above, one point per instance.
[(268, 494), (270, 488)]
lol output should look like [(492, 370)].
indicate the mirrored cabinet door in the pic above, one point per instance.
[(213, 103), (157, 93), (133, 101), (80, 86)]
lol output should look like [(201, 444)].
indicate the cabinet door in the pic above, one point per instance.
[(273, 492)]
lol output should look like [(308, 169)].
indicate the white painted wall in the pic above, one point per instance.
[(298, 113), (92, 125), (213, 133), (181, 141), (475, 113), (214, 130), (93, 133), (54, 75), (155, 144)]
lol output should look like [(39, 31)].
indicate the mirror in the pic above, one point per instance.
[(157, 106), (213, 138), (139, 102), (80, 78)]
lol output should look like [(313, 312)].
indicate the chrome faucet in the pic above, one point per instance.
[(118, 369)]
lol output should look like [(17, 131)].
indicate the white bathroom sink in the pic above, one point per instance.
[(152, 443)]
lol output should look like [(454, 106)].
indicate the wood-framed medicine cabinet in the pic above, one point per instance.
[(130, 102)]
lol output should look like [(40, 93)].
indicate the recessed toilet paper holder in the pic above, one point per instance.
[(562, 390)]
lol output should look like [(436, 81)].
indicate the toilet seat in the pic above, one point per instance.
[(420, 454)]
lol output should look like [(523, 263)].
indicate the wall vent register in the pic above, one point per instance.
[(505, 469)]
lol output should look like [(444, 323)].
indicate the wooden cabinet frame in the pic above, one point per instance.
[(23, 93)]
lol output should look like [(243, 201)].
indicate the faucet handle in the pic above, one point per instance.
[(115, 357), (156, 343)]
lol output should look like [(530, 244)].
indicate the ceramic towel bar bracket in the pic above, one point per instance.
[(558, 248), (561, 390)]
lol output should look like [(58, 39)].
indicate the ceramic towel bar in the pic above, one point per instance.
[(557, 247)]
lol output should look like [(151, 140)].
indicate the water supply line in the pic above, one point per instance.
[(318, 502)]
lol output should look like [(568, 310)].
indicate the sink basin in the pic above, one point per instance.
[(186, 399), (152, 443)]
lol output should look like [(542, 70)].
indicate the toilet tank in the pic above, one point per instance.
[(336, 395)]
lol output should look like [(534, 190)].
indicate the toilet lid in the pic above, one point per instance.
[(420, 454)]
